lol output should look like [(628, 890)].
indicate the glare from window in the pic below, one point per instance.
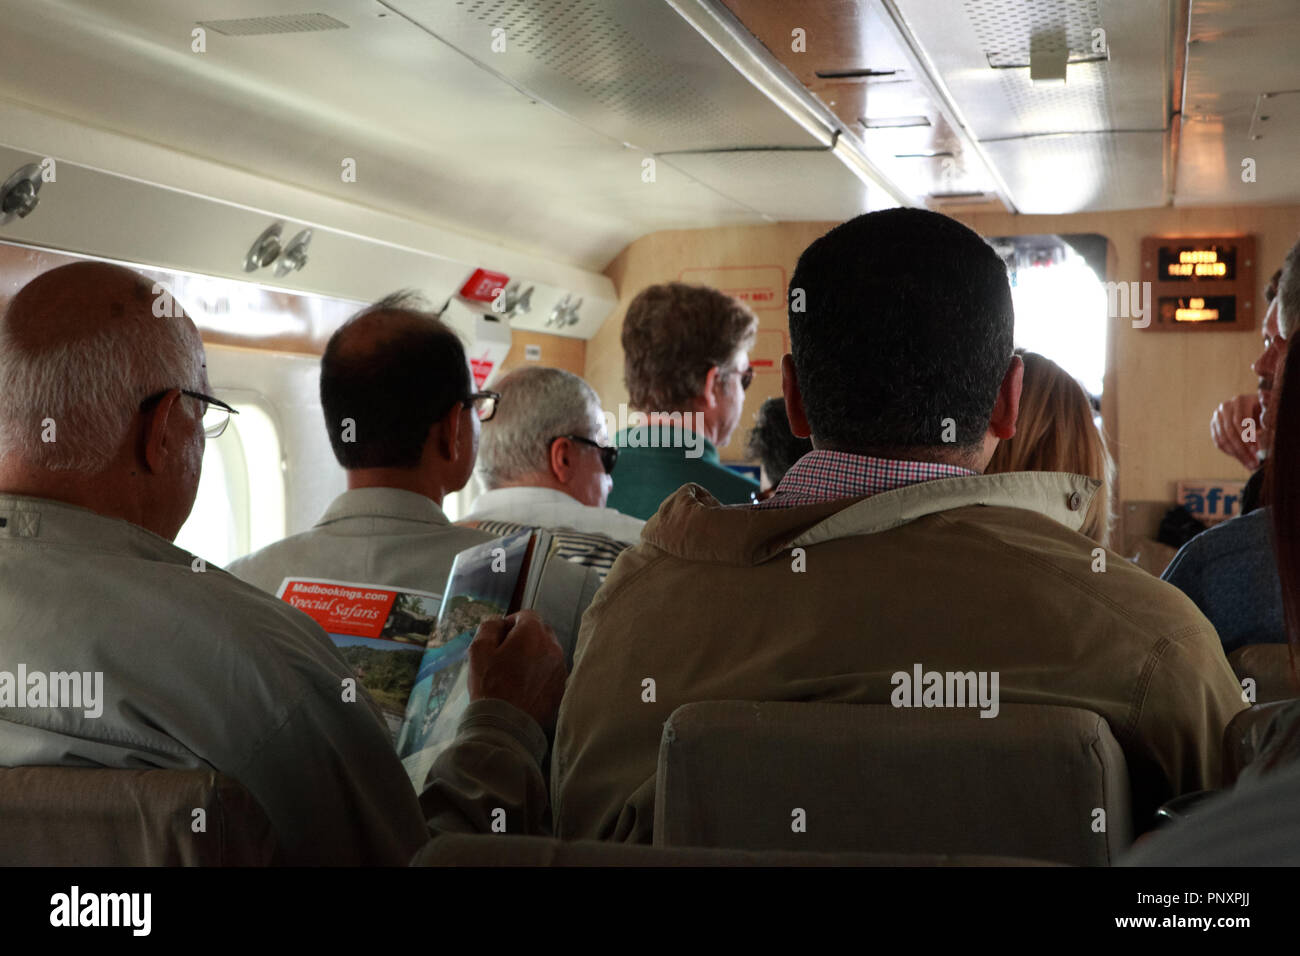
[(211, 532), (240, 502), (1061, 313), (261, 446)]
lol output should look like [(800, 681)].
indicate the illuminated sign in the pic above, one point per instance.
[(1197, 308), (1198, 262), (1201, 282)]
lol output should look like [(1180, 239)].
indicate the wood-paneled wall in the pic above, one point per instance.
[(1161, 387), (556, 351)]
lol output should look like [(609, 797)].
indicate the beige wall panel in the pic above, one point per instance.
[(557, 351)]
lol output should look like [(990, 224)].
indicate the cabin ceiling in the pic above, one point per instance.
[(1114, 135), (540, 147)]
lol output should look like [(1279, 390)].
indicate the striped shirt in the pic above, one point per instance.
[(826, 475)]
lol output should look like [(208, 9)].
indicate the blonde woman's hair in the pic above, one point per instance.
[(1056, 432)]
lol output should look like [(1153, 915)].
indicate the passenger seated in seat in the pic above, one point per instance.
[(1056, 432), (774, 445), (686, 363), (1229, 570), (1257, 823), (885, 549), (403, 418), (102, 430), (546, 461)]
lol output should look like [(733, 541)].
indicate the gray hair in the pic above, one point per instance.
[(1288, 293), (537, 404), (68, 405)]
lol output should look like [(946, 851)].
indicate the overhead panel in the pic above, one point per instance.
[(640, 74), (849, 55), (1112, 107), (785, 185), (1082, 171), (1241, 116)]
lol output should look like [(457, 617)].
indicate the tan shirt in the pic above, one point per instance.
[(199, 670), (395, 538), (983, 573)]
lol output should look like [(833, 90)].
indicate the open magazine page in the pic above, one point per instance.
[(485, 581), (381, 632)]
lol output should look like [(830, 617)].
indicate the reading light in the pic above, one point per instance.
[(20, 193), (265, 248), (295, 254)]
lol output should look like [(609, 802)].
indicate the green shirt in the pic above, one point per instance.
[(646, 476)]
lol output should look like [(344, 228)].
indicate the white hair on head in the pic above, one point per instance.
[(89, 388), (537, 404)]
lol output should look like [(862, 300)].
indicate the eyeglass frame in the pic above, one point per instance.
[(746, 377), (608, 453), (206, 399), (469, 400)]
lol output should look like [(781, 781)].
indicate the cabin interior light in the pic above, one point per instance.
[(20, 193), (265, 248), (295, 254), (565, 312)]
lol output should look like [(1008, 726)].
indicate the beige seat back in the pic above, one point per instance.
[(71, 816), (1269, 666), (507, 850), (1036, 782)]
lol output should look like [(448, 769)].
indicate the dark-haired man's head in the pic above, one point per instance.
[(773, 444), (395, 387), (685, 349), (901, 329)]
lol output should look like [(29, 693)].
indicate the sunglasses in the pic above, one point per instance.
[(608, 454), (746, 378)]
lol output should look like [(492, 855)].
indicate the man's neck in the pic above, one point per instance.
[(548, 482), (95, 493), (403, 479)]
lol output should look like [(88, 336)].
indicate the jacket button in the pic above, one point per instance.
[(1074, 501)]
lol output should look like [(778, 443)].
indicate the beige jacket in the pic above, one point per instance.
[(983, 573)]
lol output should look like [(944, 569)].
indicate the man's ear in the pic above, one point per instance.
[(561, 464), (799, 426), (448, 433), (157, 447), (710, 397), (1006, 410)]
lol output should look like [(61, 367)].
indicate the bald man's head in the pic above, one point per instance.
[(80, 348), (388, 375)]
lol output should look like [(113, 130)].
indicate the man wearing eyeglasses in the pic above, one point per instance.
[(686, 362), (546, 461), (403, 419), (105, 412)]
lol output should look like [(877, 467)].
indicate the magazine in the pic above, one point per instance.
[(493, 579), (410, 649), (380, 631)]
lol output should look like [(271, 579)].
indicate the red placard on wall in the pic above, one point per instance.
[(483, 285)]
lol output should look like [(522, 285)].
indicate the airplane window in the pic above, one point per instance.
[(1060, 302), (227, 521)]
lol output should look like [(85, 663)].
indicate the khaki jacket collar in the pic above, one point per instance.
[(693, 525)]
